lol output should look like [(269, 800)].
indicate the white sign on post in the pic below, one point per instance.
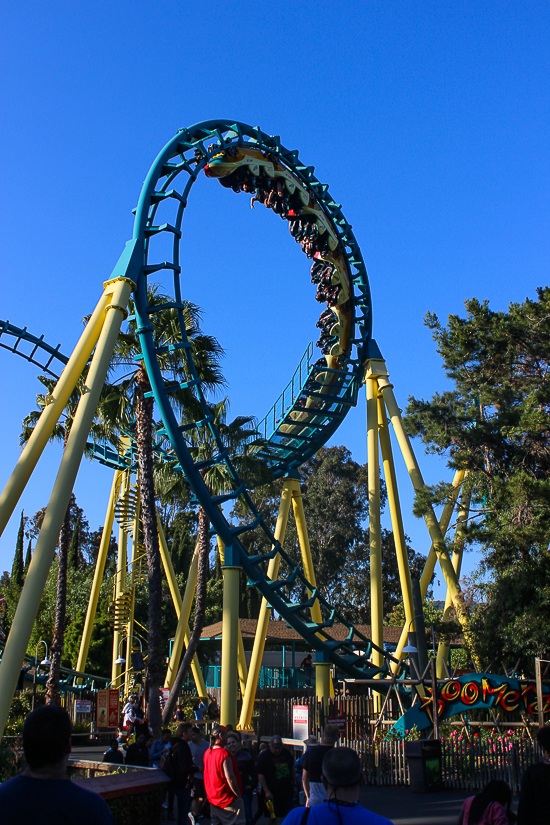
[(300, 722), (82, 706)]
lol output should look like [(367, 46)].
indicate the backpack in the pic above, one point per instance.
[(166, 762)]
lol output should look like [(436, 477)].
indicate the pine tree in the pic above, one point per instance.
[(73, 561), (28, 557), (17, 567), (495, 423)]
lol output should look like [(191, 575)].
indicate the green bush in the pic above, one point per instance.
[(12, 760), (81, 727)]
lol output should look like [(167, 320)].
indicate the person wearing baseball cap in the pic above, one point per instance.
[(222, 781), (277, 776), (342, 777)]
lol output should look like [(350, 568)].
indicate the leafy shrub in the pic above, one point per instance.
[(12, 760)]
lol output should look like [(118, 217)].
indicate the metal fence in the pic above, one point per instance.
[(465, 766), (467, 763), (470, 765)]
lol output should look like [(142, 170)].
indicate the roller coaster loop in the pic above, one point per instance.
[(302, 419)]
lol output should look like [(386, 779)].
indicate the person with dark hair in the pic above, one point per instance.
[(277, 776), (534, 800), (247, 771), (137, 753), (342, 777), (47, 745), (491, 806), (222, 781), (312, 764), (113, 755), (213, 709), (198, 747), (181, 762)]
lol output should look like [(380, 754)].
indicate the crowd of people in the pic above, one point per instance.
[(220, 779)]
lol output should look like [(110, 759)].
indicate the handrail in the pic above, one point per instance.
[(295, 386)]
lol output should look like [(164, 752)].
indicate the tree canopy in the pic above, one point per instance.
[(335, 498), (495, 423)]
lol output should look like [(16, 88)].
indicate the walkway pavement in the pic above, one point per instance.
[(403, 807)]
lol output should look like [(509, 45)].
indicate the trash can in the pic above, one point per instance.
[(424, 758)]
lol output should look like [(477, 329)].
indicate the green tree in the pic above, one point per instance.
[(18, 564), (28, 557), (239, 439), (60, 433), (335, 498), (495, 423), (132, 397)]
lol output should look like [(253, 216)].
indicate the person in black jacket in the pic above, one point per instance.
[(534, 801), (247, 770), (277, 776), (113, 755), (182, 770), (137, 753)]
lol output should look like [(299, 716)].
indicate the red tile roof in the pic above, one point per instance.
[(279, 631)]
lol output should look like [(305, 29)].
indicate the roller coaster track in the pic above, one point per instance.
[(23, 343), (51, 361), (319, 395)]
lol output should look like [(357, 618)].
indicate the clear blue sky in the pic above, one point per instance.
[(429, 121)]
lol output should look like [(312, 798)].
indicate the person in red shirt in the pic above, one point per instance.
[(222, 781)]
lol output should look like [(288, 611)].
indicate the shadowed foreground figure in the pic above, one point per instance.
[(491, 806), (342, 777), (534, 802), (44, 793)]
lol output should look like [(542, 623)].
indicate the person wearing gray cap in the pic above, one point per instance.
[(342, 776), (277, 776)]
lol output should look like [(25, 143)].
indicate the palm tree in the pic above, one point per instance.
[(239, 439), (61, 433), (133, 390)]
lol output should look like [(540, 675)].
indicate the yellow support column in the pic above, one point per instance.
[(431, 521), (444, 522), (375, 538), (56, 403), (395, 513), (241, 658), (129, 645), (245, 722), (443, 646), (98, 575), (323, 684), (230, 641), (432, 557), (44, 551), (120, 583), (303, 540), (183, 611), (169, 568)]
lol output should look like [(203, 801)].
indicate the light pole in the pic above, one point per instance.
[(411, 648), (121, 660), (45, 661)]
